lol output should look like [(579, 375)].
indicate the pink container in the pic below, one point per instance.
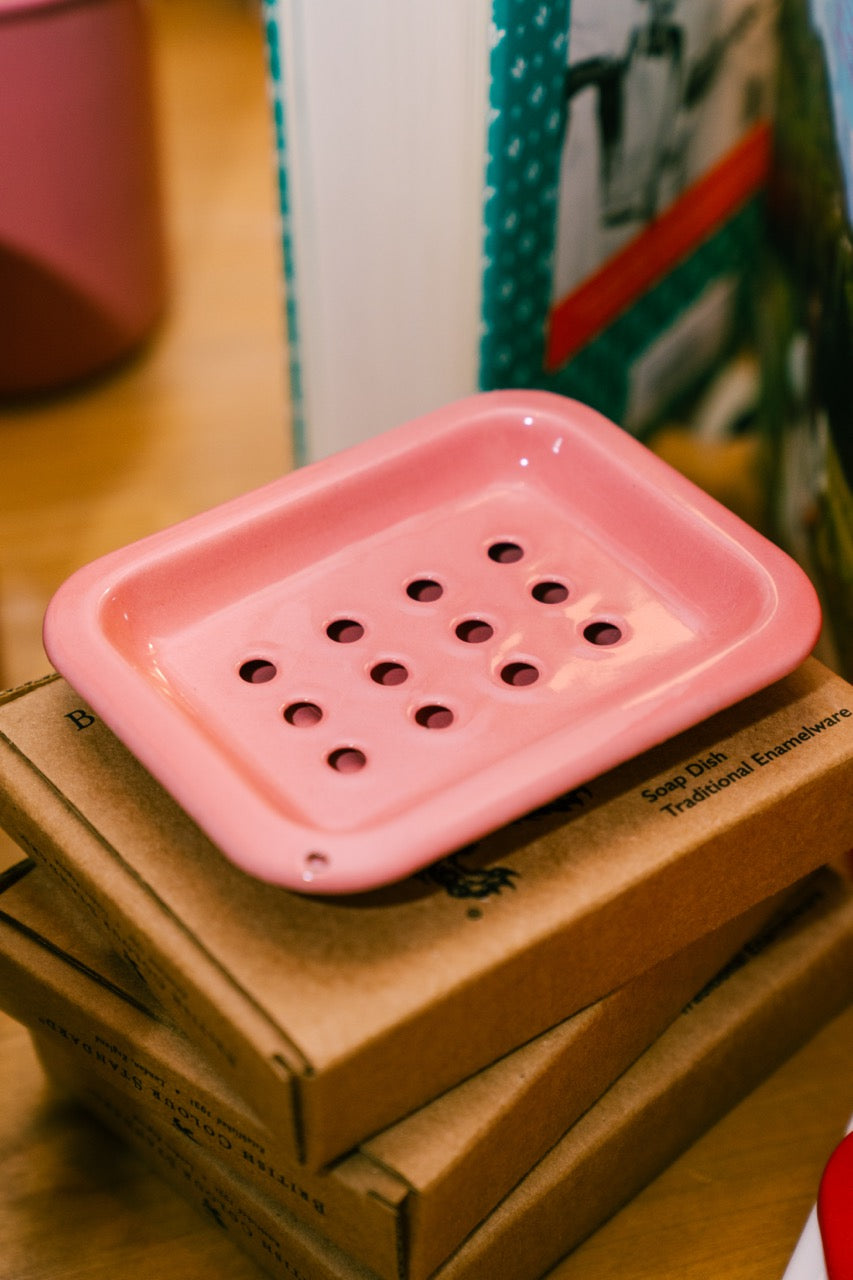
[(82, 276), (385, 655)]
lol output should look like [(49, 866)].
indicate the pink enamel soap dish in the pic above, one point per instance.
[(383, 656)]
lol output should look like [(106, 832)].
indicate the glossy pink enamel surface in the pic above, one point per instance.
[(381, 657)]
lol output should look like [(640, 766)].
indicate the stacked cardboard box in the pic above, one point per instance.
[(463, 1075)]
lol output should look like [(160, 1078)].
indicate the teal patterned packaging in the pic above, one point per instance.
[(479, 194), (808, 311)]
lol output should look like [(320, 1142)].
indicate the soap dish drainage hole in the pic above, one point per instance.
[(602, 633), (257, 671), (549, 592), (434, 716), (519, 674), (303, 714), (424, 590), (389, 673), (474, 631), (315, 864), (344, 630), (346, 760), (505, 552)]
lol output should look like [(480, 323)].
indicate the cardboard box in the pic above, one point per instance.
[(766, 1003), (409, 1196), (336, 1018)]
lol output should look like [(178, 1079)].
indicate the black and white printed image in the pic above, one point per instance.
[(656, 92)]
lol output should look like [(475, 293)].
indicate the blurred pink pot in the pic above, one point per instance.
[(82, 277)]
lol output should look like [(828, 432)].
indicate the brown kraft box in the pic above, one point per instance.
[(766, 1003), (409, 1196), (335, 1018)]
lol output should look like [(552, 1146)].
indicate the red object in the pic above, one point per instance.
[(835, 1212), (601, 298)]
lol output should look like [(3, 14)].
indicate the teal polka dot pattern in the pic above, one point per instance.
[(274, 71), (525, 132), (527, 121)]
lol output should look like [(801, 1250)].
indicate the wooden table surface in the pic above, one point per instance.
[(199, 415)]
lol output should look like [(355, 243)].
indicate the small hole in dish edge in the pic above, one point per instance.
[(315, 864)]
